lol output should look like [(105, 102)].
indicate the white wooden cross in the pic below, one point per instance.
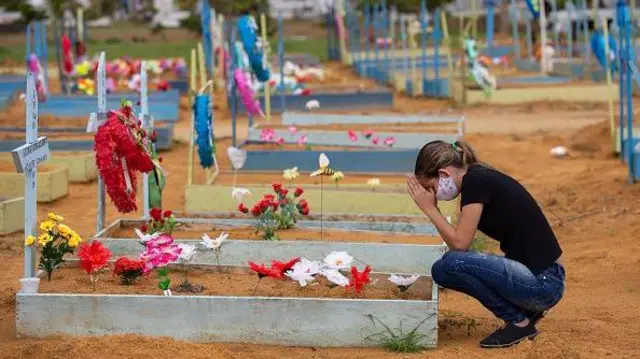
[(97, 119), (147, 125), (27, 158)]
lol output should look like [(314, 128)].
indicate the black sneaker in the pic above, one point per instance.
[(509, 335)]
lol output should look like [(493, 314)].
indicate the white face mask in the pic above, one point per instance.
[(447, 189)]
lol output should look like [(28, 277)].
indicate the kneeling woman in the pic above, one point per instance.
[(519, 287)]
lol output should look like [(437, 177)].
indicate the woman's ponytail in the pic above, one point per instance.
[(468, 154), (436, 155)]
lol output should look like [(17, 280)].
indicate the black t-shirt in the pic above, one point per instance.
[(511, 216)]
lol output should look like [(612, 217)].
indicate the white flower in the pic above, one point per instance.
[(403, 281), (291, 173), (144, 238), (335, 277), (337, 176), (239, 193), (307, 266), (312, 105), (338, 260), (559, 151), (188, 251), (300, 276), (373, 182), (214, 243)]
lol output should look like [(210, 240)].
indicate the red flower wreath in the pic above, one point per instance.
[(121, 137)]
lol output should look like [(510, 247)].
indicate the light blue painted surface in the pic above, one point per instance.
[(171, 95), (307, 118), (534, 79), (341, 138), (162, 112), (373, 161)]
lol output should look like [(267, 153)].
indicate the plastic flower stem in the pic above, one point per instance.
[(217, 251), (235, 177), (321, 202)]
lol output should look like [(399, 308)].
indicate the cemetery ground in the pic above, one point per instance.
[(585, 196)]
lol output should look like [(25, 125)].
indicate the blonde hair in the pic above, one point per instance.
[(437, 155)]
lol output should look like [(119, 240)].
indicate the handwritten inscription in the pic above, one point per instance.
[(28, 156)]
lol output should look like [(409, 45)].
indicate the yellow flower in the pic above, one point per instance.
[(64, 230), (337, 176), (44, 238), (47, 225), (74, 241), (30, 240), (55, 217)]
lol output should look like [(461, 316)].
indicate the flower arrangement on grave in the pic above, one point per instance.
[(129, 270), (55, 240), (290, 174), (215, 245), (276, 270), (277, 212), (122, 149), (160, 222), (403, 283), (94, 258), (359, 279), (186, 256)]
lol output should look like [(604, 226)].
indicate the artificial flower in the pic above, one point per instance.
[(156, 214), (284, 266), (93, 256), (375, 140), (302, 140), (277, 187), (267, 134), (335, 277), (280, 141), (307, 266), (47, 225), (300, 276), (359, 279), (291, 173), (239, 194), (64, 230), (30, 240), (403, 282), (167, 214), (298, 192), (55, 217), (337, 176), (293, 130), (128, 269), (312, 105), (373, 183), (352, 136), (367, 133), (390, 141), (144, 238), (214, 243), (74, 241), (44, 238), (263, 271), (242, 208), (338, 260), (188, 251)]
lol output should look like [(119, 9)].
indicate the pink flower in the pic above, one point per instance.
[(352, 136), (389, 141), (302, 140), (267, 134), (293, 130), (367, 133), (159, 252), (280, 141), (375, 140)]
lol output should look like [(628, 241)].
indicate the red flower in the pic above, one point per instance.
[(264, 204), (277, 187), (93, 257), (359, 279), (305, 211), (153, 136), (269, 197), (367, 133), (284, 202), (242, 208), (167, 214), (303, 203), (283, 267), (299, 191), (274, 205), (143, 228), (256, 210), (284, 192), (156, 214), (263, 271)]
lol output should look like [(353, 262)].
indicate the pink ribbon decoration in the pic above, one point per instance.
[(246, 94)]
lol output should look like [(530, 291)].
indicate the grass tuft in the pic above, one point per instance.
[(397, 339)]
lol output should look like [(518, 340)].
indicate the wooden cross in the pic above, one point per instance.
[(147, 125), (97, 119), (27, 158)]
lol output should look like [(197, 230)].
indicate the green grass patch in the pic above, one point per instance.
[(116, 48)]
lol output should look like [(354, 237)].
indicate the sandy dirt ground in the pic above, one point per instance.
[(585, 196)]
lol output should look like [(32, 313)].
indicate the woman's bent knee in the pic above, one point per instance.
[(444, 268)]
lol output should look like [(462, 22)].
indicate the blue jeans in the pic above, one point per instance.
[(504, 286)]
